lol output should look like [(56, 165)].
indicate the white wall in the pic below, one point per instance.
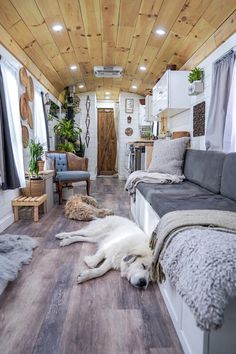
[(184, 120), (91, 150), (123, 139), (6, 215)]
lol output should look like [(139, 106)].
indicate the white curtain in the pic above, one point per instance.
[(229, 140), (10, 75), (40, 134)]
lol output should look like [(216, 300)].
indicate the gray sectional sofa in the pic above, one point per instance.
[(210, 184)]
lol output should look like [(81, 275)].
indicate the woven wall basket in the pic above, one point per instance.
[(24, 106), (30, 119), (30, 89), (24, 77)]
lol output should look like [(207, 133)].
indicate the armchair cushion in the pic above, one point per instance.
[(66, 176)]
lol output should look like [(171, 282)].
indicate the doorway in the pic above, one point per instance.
[(107, 142)]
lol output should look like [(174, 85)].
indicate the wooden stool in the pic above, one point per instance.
[(30, 202)]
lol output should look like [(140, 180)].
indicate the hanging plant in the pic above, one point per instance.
[(195, 75)]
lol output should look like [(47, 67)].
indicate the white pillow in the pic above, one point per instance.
[(168, 156)]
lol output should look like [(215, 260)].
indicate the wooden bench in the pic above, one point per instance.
[(35, 202)]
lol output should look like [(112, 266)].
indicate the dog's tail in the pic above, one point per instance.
[(101, 213)]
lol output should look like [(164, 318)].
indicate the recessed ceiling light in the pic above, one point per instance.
[(107, 97), (142, 68), (108, 93), (57, 28), (134, 87), (81, 86), (160, 31), (73, 67)]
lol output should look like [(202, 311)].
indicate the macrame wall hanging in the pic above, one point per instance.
[(87, 121)]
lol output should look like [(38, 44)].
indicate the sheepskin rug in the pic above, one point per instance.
[(84, 208), (15, 250)]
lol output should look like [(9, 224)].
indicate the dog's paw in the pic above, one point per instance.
[(62, 235), (89, 261), (82, 277), (65, 242), (109, 212)]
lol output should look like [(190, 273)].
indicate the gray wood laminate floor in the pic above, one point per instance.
[(45, 312)]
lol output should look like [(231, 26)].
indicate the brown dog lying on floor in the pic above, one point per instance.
[(84, 208)]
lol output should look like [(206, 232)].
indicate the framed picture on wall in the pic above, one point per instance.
[(129, 105)]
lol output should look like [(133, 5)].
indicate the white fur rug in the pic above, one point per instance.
[(15, 250)]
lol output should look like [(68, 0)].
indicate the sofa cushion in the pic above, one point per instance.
[(168, 156), (72, 176), (61, 160), (184, 196), (204, 168), (228, 179)]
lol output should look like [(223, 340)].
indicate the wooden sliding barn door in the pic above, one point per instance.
[(107, 142)]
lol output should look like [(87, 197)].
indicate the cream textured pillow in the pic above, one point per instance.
[(168, 156)]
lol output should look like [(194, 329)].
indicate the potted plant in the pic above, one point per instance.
[(35, 164), (68, 133), (34, 183), (195, 79)]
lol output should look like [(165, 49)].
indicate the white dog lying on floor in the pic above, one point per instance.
[(121, 245)]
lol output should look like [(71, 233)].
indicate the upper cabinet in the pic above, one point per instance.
[(170, 94)]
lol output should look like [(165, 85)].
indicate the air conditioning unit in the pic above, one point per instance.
[(108, 71)]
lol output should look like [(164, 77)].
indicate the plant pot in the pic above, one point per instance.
[(195, 88), (41, 165), (34, 188)]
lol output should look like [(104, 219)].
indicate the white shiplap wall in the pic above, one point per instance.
[(123, 139), (184, 120)]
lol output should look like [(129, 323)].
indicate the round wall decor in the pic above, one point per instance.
[(24, 106), (25, 136), (129, 131), (30, 89), (30, 118), (24, 77)]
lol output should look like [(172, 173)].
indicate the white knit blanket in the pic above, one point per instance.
[(149, 177)]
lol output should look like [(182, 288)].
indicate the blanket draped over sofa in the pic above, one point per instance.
[(149, 177), (197, 250)]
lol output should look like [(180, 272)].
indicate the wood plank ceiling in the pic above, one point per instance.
[(111, 32)]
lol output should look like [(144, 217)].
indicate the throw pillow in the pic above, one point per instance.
[(168, 156), (49, 165)]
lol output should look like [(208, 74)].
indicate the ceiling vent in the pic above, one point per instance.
[(108, 71)]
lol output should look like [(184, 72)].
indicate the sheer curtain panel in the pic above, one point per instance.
[(229, 142), (221, 85), (40, 133), (10, 84), (8, 174)]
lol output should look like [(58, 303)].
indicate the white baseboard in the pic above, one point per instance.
[(6, 221)]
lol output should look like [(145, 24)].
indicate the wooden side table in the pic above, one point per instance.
[(34, 202)]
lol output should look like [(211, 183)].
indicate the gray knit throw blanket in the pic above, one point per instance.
[(15, 250), (197, 251), (149, 177)]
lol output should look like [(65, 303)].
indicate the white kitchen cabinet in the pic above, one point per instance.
[(170, 94)]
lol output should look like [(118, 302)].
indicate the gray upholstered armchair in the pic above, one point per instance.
[(69, 168)]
